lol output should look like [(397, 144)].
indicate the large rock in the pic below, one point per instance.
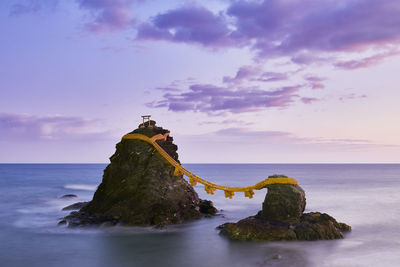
[(139, 188), (282, 218), (283, 202)]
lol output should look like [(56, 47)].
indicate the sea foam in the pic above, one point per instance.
[(86, 187)]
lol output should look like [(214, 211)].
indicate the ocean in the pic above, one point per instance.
[(365, 196)]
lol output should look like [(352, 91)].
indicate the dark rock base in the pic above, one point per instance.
[(311, 226), (82, 218)]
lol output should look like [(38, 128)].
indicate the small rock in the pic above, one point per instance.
[(62, 222), (160, 226), (207, 207), (276, 257), (69, 196), (76, 206)]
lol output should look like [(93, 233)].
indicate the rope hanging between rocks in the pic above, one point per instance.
[(209, 187)]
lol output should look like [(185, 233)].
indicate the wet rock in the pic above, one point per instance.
[(316, 226), (282, 218), (81, 218), (283, 202), (62, 222), (76, 206), (69, 196), (255, 228), (207, 207), (139, 187)]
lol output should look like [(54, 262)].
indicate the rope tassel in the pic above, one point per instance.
[(249, 193), (209, 189), (192, 181), (229, 194), (177, 172)]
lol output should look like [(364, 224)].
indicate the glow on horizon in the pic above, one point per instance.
[(74, 79)]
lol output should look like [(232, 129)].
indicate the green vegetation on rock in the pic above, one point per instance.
[(139, 188)]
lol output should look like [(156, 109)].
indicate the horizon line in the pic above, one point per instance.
[(254, 163)]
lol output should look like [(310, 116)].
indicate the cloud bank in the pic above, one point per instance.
[(28, 127), (281, 28), (212, 99)]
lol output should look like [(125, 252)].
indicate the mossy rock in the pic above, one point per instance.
[(256, 229), (139, 187), (282, 219), (283, 203), (311, 226)]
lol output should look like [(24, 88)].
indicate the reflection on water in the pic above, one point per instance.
[(364, 196)]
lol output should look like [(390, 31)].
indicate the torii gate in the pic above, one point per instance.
[(146, 117)]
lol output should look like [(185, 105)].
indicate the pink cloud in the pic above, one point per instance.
[(352, 96), (315, 86), (244, 73), (309, 100), (365, 62), (109, 15)]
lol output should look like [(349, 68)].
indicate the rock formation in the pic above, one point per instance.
[(282, 218), (139, 188)]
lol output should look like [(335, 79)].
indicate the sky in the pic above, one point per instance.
[(256, 81)]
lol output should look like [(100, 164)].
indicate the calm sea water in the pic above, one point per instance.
[(365, 196)]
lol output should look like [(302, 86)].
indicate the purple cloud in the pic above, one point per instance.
[(27, 127), (109, 15), (308, 100), (240, 132), (188, 24), (304, 30), (315, 82), (227, 122), (244, 73), (32, 6), (290, 27), (314, 79), (351, 97), (365, 62), (280, 138), (273, 77), (316, 86), (213, 99), (251, 73)]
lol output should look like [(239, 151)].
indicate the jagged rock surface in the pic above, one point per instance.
[(139, 188), (282, 218)]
